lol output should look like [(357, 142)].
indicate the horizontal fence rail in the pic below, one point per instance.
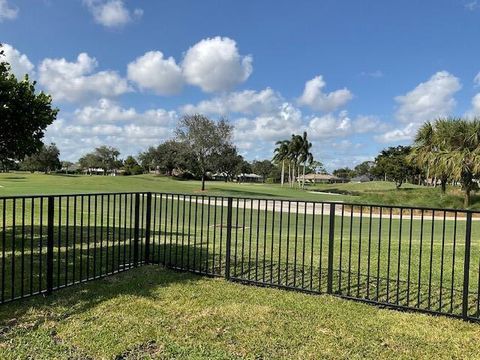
[(403, 257)]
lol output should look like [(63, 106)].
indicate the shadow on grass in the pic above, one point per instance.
[(141, 281)]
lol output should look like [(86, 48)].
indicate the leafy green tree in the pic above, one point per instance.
[(263, 168), (131, 166), (66, 165), (394, 164), (227, 161), (89, 161), (316, 167), (108, 158), (244, 167), (451, 146), (24, 116), (205, 139), (364, 169), (427, 152), (46, 160), (344, 173)]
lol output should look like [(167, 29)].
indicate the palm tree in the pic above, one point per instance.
[(281, 154), (305, 155), (451, 147), (294, 152)]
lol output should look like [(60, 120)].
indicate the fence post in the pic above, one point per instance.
[(466, 265), (331, 233), (148, 221), (229, 238), (136, 229), (50, 224)]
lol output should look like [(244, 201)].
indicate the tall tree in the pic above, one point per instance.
[(454, 150), (46, 160), (107, 158), (205, 138), (228, 161), (24, 115), (393, 163), (428, 148), (263, 168), (305, 156), (281, 154)]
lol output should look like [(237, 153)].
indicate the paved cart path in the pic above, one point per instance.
[(310, 208)]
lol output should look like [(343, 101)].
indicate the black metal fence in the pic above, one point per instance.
[(410, 258)]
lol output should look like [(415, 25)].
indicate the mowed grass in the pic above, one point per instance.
[(151, 312), (375, 192), (404, 261), (23, 183)]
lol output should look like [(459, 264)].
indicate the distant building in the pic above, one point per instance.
[(251, 178), (322, 179), (360, 179)]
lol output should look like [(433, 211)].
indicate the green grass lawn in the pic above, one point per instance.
[(155, 313), (376, 192)]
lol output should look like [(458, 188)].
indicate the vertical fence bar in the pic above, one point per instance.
[(148, 222), (229, 238), (331, 233), (466, 265), (136, 230), (50, 220)]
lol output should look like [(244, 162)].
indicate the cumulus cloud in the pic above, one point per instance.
[(330, 125), (214, 64), (154, 72), (112, 13), (7, 12), (314, 97), (76, 82), (247, 102), (363, 124), (430, 99), (108, 111), (107, 122), (475, 110), (476, 80), (405, 133), (251, 133), (20, 64)]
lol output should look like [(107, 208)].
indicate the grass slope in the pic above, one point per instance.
[(375, 192), (155, 313)]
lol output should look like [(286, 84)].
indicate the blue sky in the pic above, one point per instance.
[(357, 75)]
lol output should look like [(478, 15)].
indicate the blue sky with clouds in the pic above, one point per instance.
[(357, 75)]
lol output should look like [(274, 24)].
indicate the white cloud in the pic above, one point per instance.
[(330, 125), (266, 129), (367, 124), (112, 13), (76, 82), (314, 97), (247, 102), (214, 64), (20, 64), (472, 6), (7, 12), (154, 72), (429, 100), (476, 80), (108, 122), (475, 110), (405, 133), (107, 111)]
